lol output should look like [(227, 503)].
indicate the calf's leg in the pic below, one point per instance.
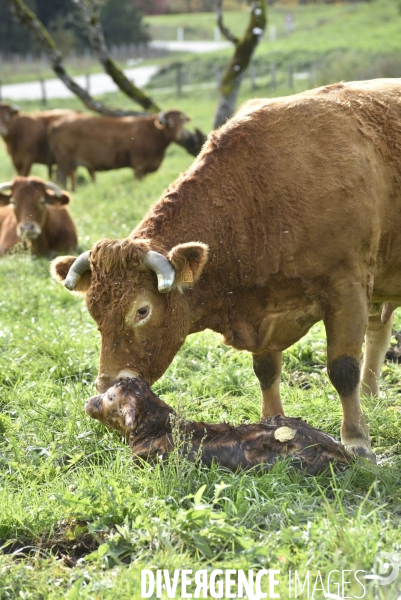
[(267, 368), (377, 340), (345, 324)]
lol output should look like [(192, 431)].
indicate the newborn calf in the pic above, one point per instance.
[(137, 413)]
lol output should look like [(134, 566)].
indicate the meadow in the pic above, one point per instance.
[(77, 521)]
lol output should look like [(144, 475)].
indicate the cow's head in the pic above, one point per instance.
[(29, 197), (172, 122), (138, 299), (7, 111)]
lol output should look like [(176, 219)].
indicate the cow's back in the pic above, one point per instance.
[(296, 185)]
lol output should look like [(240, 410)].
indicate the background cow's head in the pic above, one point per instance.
[(7, 111), (172, 122), (29, 197), (137, 298)]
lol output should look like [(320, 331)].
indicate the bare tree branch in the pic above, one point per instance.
[(94, 29), (244, 49), (224, 30), (29, 20), (192, 142)]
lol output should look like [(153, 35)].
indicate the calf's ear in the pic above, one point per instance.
[(129, 415), (188, 261), (54, 200), (59, 268)]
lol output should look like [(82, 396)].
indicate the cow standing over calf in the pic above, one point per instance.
[(35, 210), (291, 214), (105, 143)]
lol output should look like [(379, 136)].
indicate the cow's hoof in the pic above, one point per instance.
[(362, 452)]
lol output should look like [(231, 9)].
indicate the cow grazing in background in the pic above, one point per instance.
[(105, 143), (26, 137), (33, 209), (291, 214)]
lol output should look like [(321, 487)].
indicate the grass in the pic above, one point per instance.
[(78, 522)]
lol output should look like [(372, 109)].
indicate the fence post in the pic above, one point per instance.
[(290, 76), (273, 78), (179, 79), (43, 60), (310, 76), (43, 91), (87, 82), (180, 34), (218, 77), (252, 75), (1, 97)]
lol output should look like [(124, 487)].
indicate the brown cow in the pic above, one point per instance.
[(26, 137), (297, 204), (104, 143), (36, 210)]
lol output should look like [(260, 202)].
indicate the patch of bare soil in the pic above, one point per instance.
[(69, 542)]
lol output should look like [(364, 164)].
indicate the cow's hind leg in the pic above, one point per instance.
[(345, 324), (267, 368), (377, 340)]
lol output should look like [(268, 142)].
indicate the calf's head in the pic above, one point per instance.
[(138, 298), (130, 407), (29, 197), (7, 111)]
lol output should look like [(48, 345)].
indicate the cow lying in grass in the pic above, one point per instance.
[(145, 421), (33, 209)]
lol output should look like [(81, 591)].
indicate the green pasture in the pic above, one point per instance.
[(77, 521)]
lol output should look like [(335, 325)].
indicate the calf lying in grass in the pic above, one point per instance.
[(137, 413)]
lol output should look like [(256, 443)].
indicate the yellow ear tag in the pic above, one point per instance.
[(186, 275)]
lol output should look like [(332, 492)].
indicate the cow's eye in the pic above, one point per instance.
[(142, 312)]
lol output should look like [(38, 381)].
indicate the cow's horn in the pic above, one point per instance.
[(52, 186), (78, 268), (7, 185), (163, 269), (162, 118)]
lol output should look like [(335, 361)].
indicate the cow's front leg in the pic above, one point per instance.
[(267, 368), (377, 340), (345, 327)]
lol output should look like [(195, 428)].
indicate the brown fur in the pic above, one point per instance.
[(26, 138), (299, 202), (104, 143), (37, 213), (137, 413)]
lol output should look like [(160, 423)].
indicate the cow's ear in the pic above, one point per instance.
[(188, 261), (59, 268), (5, 199), (54, 200)]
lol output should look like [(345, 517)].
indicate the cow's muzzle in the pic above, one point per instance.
[(29, 230), (104, 382)]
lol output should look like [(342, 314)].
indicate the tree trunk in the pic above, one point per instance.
[(244, 49)]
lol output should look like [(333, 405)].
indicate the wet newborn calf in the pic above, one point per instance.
[(136, 412)]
